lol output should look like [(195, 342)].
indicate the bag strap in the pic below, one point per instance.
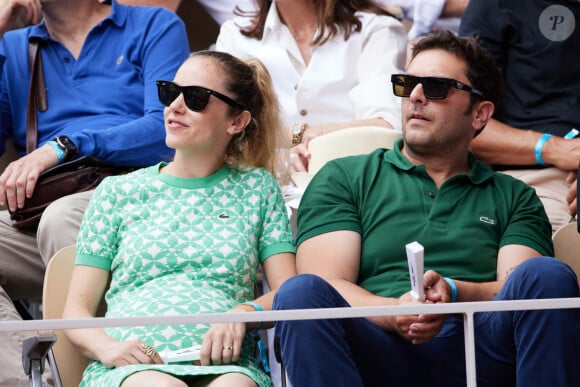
[(36, 94)]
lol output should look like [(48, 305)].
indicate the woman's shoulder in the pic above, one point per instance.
[(254, 175), (372, 21)]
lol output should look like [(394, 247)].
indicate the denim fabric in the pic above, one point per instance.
[(540, 347)]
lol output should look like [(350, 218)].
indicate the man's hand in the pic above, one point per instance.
[(11, 9), (19, 178), (562, 153), (572, 193), (422, 328)]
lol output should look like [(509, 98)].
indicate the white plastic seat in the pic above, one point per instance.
[(347, 142)]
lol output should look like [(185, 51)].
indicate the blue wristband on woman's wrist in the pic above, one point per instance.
[(539, 147), (453, 288), (257, 338)]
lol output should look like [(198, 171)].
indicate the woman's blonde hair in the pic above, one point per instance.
[(250, 85)]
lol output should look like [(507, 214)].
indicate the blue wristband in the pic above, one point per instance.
[(258, 309), (453, 288), (258, 339), (539, 146), (59, 151)]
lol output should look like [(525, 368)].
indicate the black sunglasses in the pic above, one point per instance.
[(433, 87), (196, 97)]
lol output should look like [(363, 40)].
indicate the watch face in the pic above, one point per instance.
[(65, 143)]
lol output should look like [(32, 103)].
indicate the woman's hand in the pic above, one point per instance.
[(298, 158), (118, 354), (222, 343)]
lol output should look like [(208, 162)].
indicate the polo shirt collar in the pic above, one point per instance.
[(118, 16), (480, 172)]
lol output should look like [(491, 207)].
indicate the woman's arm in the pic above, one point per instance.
[(86, 290)]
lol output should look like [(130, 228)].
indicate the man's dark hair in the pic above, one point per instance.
[(482, 69)]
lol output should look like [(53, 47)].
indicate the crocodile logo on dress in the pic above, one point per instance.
[(223, 216), (487, 220)]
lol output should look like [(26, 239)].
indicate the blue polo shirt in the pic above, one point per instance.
[(391, 202), (106, 99)]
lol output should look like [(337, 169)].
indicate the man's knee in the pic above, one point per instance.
[(60, 222), (548, 277), (304, 291)]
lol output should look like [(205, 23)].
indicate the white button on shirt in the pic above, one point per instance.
[(344, 81)]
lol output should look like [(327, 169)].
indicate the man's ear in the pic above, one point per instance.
[(483, 112), (239, 122)]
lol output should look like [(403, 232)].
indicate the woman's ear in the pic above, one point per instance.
[(239, 122)]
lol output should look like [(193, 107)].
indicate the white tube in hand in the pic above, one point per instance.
[(415, 253)]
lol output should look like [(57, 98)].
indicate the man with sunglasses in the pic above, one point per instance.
[(533, 135), (485, 236), (100, 60)]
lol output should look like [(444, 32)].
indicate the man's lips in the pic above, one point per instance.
[(417, 116)]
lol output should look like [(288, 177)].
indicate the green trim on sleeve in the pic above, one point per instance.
[(276, 248), (94, 261)]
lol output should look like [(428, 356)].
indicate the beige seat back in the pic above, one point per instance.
[(347, 142), (69, 362), (567, 246)]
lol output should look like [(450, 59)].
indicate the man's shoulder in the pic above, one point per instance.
[(374, 158)]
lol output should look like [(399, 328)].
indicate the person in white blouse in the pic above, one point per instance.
[(330, 62), (219, 10)]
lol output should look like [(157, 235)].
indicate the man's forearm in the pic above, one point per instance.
[(501, 144)]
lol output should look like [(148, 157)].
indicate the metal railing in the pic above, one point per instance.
[(467, 309)]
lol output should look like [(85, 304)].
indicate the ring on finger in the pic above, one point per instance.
[(228, 348), (148, 350)]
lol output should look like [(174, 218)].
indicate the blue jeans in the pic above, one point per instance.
[(541, 347)]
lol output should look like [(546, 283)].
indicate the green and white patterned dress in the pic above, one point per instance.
[(181, 246)]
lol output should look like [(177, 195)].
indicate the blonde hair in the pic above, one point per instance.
[(250, 85)]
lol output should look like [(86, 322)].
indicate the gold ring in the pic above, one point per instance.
[(228, 348), (148, 350)]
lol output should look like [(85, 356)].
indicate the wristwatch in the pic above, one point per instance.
[(297, 131), (69, 148)]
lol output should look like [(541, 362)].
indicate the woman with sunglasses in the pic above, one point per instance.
[(188, 236), (330, 62)]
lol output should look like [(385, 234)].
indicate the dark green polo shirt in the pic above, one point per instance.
[(391, 202)]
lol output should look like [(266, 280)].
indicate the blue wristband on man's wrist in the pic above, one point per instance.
[(60, 155), (539, 147), (453, 288)]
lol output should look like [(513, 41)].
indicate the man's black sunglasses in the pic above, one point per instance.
[(433, 87), (196, 97)]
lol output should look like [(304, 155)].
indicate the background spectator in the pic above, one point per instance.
[(536, 43), (100, 77)]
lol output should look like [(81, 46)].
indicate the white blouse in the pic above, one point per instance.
[(344, 81)]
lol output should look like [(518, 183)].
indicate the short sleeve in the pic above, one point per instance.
[(97, 238), (329, 204), (276, 233)]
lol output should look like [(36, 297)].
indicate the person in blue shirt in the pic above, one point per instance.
[(100, 62)]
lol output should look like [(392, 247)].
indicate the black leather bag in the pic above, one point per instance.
[(80, 175)]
